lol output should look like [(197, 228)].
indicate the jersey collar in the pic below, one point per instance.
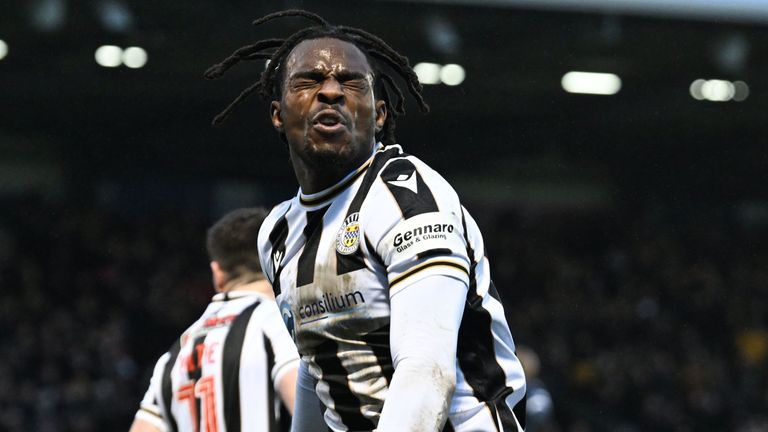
[(311, 200)]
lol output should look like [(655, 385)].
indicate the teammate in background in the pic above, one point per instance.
[(379, 271), (222, 373)]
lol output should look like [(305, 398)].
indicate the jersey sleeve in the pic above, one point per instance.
[(150, 408), (271, 240), (286, 355), (413, 223)]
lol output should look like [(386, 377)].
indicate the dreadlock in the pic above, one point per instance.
[(380, 56)]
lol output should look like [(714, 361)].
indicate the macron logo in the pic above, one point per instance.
[(277, 258), (407, 181)]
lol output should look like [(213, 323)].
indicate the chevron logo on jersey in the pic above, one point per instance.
[(348, 238), (407, 181), (277, 259)]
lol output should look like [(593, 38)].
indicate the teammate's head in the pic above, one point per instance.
[(232, 248), (372, 55)]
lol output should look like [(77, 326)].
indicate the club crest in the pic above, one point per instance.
[(348, 238)]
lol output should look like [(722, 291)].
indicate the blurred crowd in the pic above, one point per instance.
[(89, 300), (631, 320), (643, 320)]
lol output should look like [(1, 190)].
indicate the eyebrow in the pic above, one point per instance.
[(317, 73)]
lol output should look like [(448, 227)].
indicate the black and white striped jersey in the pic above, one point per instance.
[(220, 374), (334, 259)]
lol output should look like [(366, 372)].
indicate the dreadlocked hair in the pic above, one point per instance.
[(380, 56)]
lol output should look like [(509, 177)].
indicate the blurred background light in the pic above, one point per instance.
[(115, 16), (695, 89), (591, 83), (134, 57), (452, 74), (48, 15), (716, 90), (428, 73), (740, 91), (109, 56), (731, 53), (3, 49), (442, 35)]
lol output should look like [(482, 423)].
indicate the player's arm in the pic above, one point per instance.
[(141, 425), (286, 360), (287, 387), (419, 240), (150, 417), (307, 417), (424, 324)]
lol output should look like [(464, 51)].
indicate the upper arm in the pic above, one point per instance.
[(414, 223), (141, 425), (151, 415), (286, 357)]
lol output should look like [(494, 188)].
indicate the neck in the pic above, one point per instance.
[(249, 282), (319, 172)]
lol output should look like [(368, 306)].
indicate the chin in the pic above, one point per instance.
[(328, 151)]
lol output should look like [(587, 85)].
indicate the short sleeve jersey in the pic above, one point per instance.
[(220, 374), (336, 257)]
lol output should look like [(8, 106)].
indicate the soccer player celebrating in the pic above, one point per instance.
[(379, 271), (221, 374)]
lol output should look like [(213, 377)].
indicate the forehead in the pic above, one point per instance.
[(326, 53)]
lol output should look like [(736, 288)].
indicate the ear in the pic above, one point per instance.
[(274, 113), (220, 277), (381, 114)]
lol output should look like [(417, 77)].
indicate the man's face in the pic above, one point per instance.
[(328, 112)]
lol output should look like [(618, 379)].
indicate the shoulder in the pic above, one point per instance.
[(405, 187), (274, 226), (414, 187), (274, 217)]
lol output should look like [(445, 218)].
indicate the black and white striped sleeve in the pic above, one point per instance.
[(151, 409), (413, 219), (286, 356)]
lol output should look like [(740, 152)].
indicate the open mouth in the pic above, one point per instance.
[(328, 121)]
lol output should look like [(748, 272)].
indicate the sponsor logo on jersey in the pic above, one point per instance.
[(348, 238), (218, 321), (407, 181), (438, 231), (287, 313), (331, 302)]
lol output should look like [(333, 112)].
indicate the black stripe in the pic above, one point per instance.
[(433, 253), (494, 415), (424, 267), (475, 348), (167, 385), (271, 386), (520, 410), (378, 341), (410, 203), (277, 241), (505, 412), (346, 403), (196, 373), (151, 412), (305, 271), (355, 261), (372, 252), (448, 426), (230, 367)]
